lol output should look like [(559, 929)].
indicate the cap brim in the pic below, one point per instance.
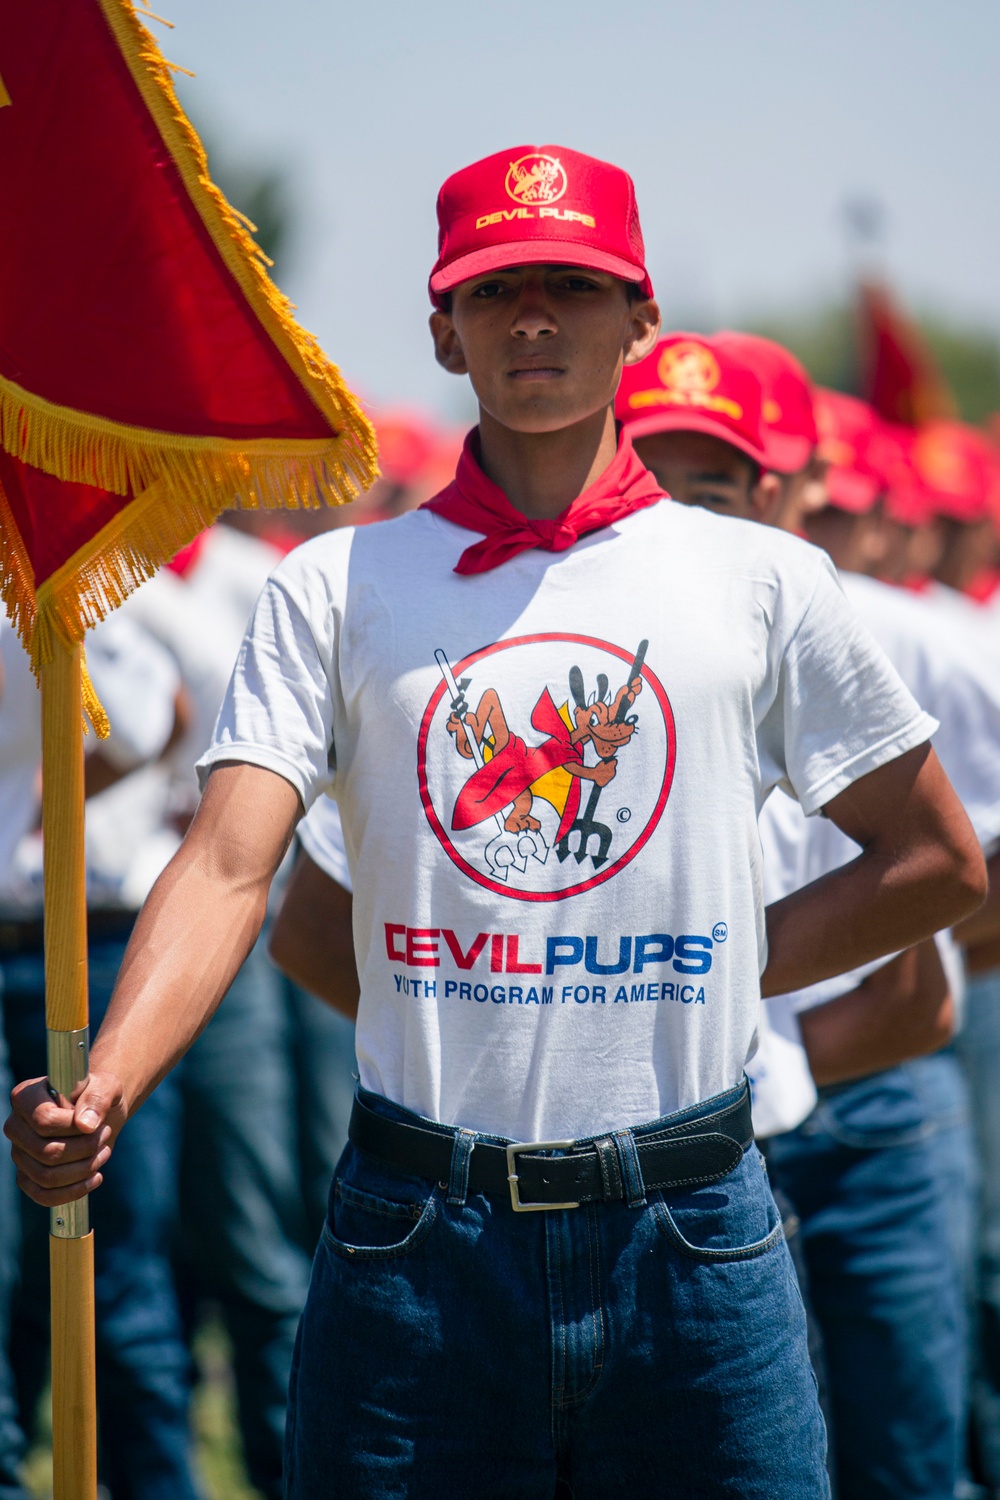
[(535, 253), (852, 492), (786, 453), (686, 419)]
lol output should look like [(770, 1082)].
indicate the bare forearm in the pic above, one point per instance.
[(903, 1010), (191, 938), (195, 930), (852, 916), (198, 925), (920, 870)]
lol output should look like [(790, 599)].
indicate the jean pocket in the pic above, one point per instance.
[(365, 1226), (873, 1114), (732, 1220)]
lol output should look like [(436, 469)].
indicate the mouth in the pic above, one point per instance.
[(524, 373)]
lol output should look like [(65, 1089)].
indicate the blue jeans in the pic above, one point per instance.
[(244, 1235), (143, 1369), (451, 1347), (978, 1048), (880, 1179)]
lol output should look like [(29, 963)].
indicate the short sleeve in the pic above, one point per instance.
[(841, 709), (278, 708), (322, 837)]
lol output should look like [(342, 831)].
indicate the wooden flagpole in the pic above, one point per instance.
[(71, 1243)]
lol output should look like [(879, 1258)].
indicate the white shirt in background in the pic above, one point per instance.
[(137, 682), (934, 647)]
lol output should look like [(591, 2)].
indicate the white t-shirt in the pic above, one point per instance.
[(136, 681), (937, 646), (942, 654), (515, 979)]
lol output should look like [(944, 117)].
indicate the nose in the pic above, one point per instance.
[(533, 316)]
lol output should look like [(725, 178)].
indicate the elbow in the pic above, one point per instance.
[(940, 1028), (957, 880), (969, 881)]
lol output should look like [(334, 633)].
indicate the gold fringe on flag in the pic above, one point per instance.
[(178, 483), (244, 258)]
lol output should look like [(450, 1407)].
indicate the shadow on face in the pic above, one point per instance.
[(543, 345), (697, 469)]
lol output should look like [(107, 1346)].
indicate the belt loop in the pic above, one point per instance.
[(461, 1156), (635, 1188)]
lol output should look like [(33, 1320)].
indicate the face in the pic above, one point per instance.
[(697, 469), (799, 496), (543, 346), (854, 543)]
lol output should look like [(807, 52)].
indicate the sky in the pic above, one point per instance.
[(746, 124)]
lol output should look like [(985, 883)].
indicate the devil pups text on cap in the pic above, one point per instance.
[(536, 205)]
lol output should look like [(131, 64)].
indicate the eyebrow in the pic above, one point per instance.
[(713, 479)]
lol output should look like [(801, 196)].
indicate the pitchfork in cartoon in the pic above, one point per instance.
[(509, 774)]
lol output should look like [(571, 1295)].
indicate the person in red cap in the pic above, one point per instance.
[(875, 1170), (551, 1262), (693, 411), (787, 427)]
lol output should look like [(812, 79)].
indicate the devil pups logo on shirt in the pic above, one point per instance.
[(545, 762)]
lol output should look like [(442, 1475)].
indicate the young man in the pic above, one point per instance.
[(876, 1174), (549, 706)]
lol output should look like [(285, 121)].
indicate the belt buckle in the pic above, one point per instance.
[(513, 1152)]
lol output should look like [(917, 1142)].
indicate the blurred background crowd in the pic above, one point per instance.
[(817, 180)]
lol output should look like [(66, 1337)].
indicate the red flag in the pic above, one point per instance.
[(898, 374), (151, 374)]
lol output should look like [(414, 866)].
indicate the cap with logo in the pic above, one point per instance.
[(955, 465), (537, 205), (788, 424), (692, 384), (848, 440)]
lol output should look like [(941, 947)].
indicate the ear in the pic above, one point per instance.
[(643, 330), (767, 498), (447, 350)]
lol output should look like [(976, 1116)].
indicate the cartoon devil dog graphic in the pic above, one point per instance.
[(509, 773)]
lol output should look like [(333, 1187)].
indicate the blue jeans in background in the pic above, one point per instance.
[(325, 1069), (451, 1347), (242, 1233), (880, 1176), (978, 1048), (143, 1368), (12, 1440)]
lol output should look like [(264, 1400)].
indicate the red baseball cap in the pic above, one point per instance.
[(906, 499), (954, 464), (537, 205), (407, 442), (692, 384), (788, 423), (848, 433)]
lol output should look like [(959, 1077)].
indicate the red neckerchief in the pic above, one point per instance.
[(475, 502)]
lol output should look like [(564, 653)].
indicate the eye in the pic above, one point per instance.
[(489, 289), (594, 720), (578, 284)]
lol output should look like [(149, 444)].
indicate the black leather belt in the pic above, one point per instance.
[(20, 935), (685, 1155)]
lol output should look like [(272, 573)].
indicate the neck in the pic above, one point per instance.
[(541, 473)]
